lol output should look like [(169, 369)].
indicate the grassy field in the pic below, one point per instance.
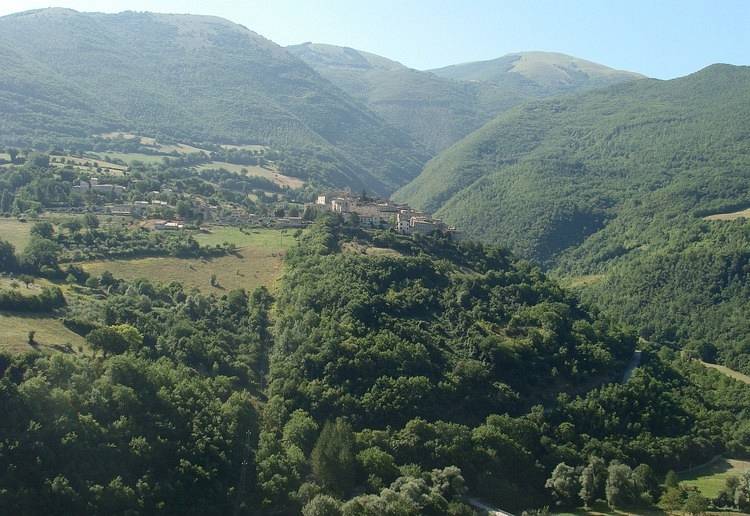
[(730, 216), (15, 232), (80, 164), (581, 281), (248, 268), (729, 372), (130, 157), (258, 237), (268, 173), (49, 334), (257, 262), (711, 479)]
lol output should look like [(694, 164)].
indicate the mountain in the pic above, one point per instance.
[(538, 74), (440, 107), (550, 173), (194, 78), (613, 185)]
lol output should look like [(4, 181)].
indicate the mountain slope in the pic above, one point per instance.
[(547, 175), (539, 74), (204, 78), (610, 188), (439, 109)]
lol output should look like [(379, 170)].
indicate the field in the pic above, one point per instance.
[(729, 372), (161, 151), (268, 173), (130, 157), (81, 164), (256, 262), (49, 333), (247, 268), (15, 232), (259, 238), (712, 478), (730, 216)]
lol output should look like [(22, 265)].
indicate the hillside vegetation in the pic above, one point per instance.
[(398, 380), (192, 79), (616, 183), (166, 349), (439, 107)]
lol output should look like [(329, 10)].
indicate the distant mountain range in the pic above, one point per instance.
[(550, 173), (439, 107), (193, 78), (339, 117)]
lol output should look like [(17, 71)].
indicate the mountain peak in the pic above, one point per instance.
[(344, 57), (540, 70)]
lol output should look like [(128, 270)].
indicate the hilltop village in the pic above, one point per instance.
[(375, 213), (362, 211)]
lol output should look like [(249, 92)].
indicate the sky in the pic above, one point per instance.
[(658, 38)]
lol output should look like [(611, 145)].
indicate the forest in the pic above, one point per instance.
[(388, 375), (565, 356)]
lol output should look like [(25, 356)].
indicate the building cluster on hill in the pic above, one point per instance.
[(98, 187), (378, 213)]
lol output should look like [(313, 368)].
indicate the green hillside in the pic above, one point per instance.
[(438, 108), (436, 111), (193, 79), (615, 182), (551, 173), (538, 74)]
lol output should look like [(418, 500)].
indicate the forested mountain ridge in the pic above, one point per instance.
[(193, 78), (387, 374), (439, 107), (575, 162), (613, 185)]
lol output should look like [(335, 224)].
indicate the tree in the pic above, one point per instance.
[(564, 484), (91, 221), (619, 486), (671, 479), (6, 201), (322, 505), (593, 477), (696, 504), (645, 484), (300, 430), (107, 339), (42, 229), (672, 499), (39, 252), (742, 491), (333, 457), (130, 334), (12, 153), (8, 261), (73, 225), (38, 159)]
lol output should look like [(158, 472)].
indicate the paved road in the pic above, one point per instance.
[(634, 362)]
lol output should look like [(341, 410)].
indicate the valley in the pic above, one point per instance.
[(310, 280)]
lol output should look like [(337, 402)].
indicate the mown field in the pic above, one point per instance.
[(710, 479), (250, 170), (256, 237), (248, 268), (730, 216), (256, 262), (729, 372), (15, 232), (49, 334)]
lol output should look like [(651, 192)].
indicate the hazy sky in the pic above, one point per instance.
[(658, 38)]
